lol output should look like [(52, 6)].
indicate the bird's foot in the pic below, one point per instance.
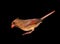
[(27, 33)]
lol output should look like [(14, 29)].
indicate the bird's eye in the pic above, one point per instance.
[(13, 22)]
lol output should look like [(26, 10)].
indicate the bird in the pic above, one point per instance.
[(29, 25)]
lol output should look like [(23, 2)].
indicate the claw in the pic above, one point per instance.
[(28, 32)]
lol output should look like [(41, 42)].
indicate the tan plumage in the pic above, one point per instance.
[(28, 24)]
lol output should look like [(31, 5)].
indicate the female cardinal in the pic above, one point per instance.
[(28, 24)]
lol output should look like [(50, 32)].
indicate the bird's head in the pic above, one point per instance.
[(14, 22)]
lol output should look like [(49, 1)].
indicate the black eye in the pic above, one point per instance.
[(13, 22)]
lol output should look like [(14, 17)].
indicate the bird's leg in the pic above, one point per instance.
[(29, 32)]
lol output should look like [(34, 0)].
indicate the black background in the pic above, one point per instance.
[(48, 31)]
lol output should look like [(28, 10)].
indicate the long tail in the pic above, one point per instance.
[(47, 15)]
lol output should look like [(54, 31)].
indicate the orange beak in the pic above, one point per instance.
[(12, 26)]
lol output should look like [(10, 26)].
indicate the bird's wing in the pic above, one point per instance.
[(31, 22)]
